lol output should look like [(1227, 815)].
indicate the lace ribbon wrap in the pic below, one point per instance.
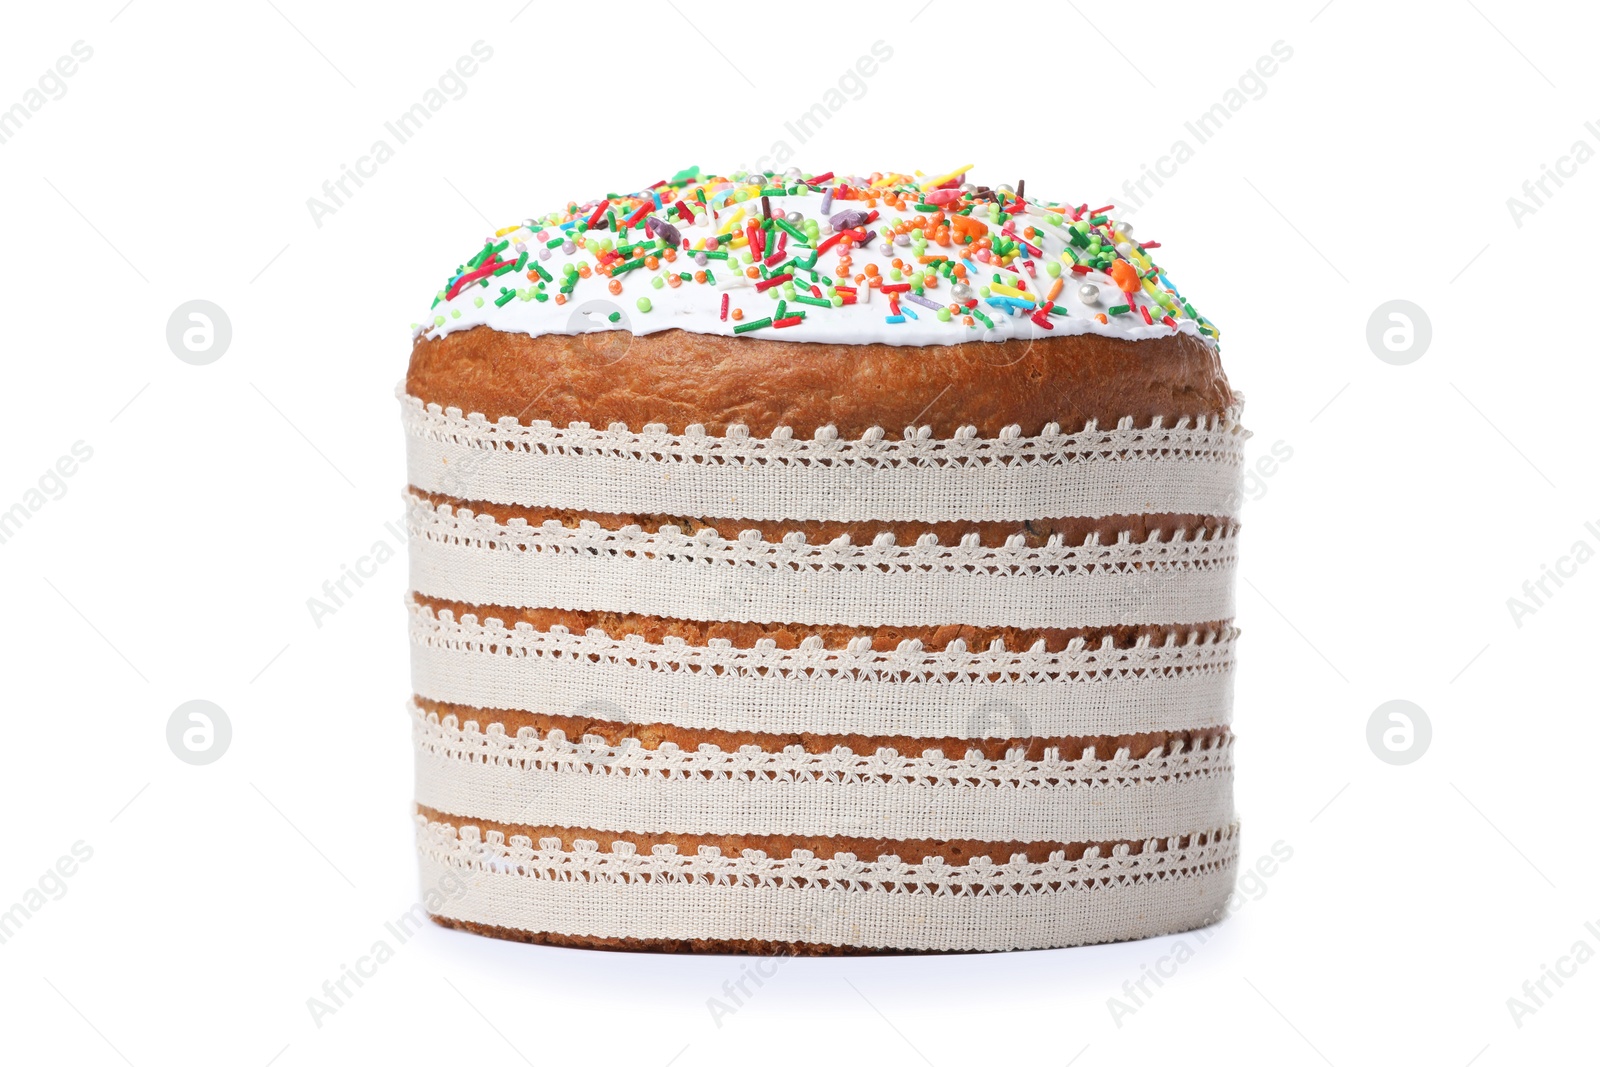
[(1030, 748)]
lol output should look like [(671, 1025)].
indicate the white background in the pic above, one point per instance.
[(1379, 558)]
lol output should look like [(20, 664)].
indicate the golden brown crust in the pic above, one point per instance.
[(782, 845), (655, 628), (653, 734), (1074, 531), (678, 378)]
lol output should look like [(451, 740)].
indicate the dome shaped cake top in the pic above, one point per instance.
[(886, 258)]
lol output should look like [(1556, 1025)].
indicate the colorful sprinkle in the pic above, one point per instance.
[(960, 250)]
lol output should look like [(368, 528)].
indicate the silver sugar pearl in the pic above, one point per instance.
[(795, 218), (1089, 294), (1004, 188), (968, 188), (792, 173), (961, 292)]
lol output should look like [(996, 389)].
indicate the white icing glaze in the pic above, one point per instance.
[(696, 307)]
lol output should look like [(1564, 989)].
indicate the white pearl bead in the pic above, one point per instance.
[(1089, 294)]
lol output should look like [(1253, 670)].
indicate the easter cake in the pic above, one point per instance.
[(821, 564)]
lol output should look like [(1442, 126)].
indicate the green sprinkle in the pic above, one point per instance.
[(1053, 269), (542, 272), (791, 231), (944, 314), (643, 303), (614, 316), (986, 320), (746, 327), (1120, 309), (813, 301), (657, 282), (632, 264)]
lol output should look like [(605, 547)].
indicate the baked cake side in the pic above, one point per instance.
[(821, 640)]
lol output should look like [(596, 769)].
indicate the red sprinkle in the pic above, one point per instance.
[(787, 320), (1146, 313), (467, 279), (776, 279), (724, 307), (599, 213), (898, 287)]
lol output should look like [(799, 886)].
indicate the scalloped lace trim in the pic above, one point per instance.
[(469, 848), (1190, 467), (462, 556), (908, 691), (549, 780), (526, 750)]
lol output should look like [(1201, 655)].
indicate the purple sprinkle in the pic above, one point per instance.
[(664, 230), (848, 220), (827, 200), (917, 298)]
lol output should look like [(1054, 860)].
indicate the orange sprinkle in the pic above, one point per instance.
[(1055, 290), (1125, 275), (561, 298), (651, 263), (751, 272), (1102, 318), (700, 276), (672, 254), (674, 281), (615, 286), (737, 314)]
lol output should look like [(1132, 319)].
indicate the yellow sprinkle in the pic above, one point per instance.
[(1006, 290), (506, 230), (941, 179)]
